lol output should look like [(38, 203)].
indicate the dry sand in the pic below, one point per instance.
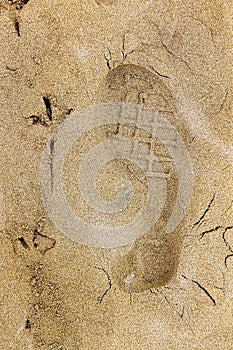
[(58, 57)]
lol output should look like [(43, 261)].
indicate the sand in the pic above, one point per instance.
[(161, 291)]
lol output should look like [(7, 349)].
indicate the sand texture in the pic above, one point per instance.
[(67, 67)]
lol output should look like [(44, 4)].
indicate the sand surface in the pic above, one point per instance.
[(60, 57)]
